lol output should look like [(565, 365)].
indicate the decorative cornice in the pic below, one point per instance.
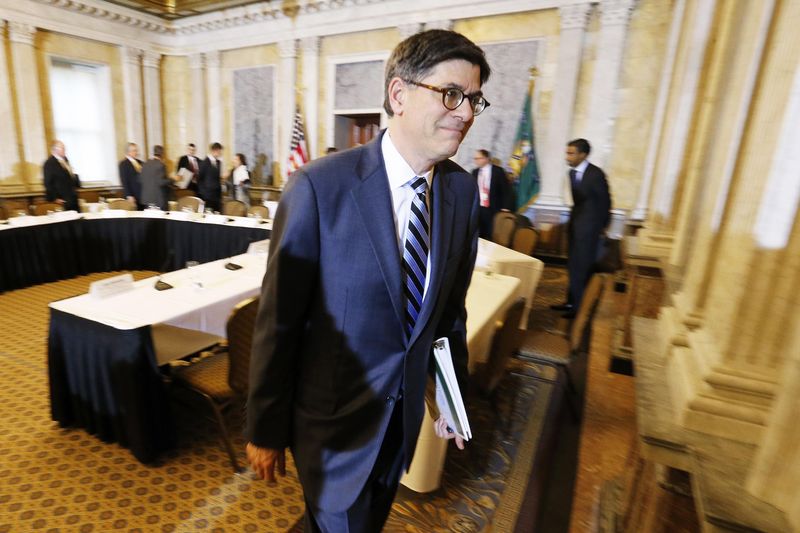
[(151, 59), (310, 45), (575, 16), (112, 13), (287, 49), (19, 32), (407, 30), (616, 12), (439, 25), (131, 55), (212, 59)]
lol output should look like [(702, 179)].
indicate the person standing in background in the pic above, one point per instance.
[(129, 169), (209, 184), (589, 217), (240, 179), (493, 190), (154, 181), (189, 161), (60, 182)]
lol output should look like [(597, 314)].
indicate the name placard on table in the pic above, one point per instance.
[(110, 286)]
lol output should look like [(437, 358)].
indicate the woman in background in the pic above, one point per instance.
[(240, 178)]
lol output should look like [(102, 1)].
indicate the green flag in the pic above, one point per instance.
[(523, 160)]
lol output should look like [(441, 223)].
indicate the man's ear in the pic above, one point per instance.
[(398, 95)]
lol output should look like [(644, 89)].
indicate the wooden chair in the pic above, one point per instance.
[(234, 208), (503, 227), (559, 350), (44, 207), (525, 240), (3, 213), (222, 379), (192, 202), (506, 342), (258, 210), (127, 205)]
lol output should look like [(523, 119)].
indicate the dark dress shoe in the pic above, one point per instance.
[(561, 307), (568, 314)]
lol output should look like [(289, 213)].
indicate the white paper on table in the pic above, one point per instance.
[(448, 395)]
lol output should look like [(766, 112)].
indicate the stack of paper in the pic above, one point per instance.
[(448, 395)]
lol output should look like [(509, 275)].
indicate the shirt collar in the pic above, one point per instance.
[(131, 159), (398, 171), (581, 168)]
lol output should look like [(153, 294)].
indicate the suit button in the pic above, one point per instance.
[(390, 400)]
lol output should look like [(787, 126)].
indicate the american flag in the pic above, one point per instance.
[(298, 153)]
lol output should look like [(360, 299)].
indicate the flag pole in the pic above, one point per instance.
[(533, 72)]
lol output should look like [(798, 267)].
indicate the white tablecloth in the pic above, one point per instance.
[(488, 299), (495, 258)]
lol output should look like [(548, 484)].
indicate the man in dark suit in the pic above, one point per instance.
[(370, 258), (209, 186), (129, 169), (189, 161), (155, 183), (60, 182), (590, 215), (492, 188)]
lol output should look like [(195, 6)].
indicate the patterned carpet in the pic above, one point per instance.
[(54, 479)]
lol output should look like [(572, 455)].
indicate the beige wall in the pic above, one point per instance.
[(175, 94)]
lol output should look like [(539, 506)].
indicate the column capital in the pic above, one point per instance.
[(151, 59), (131, 55), (407, 30), (575, 16), (212, 59), (287, 49), (310, 45), (19, 32), (616, 12), (196, 61), (439, 25)]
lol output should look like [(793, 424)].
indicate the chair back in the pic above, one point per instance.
[(44, 207), (503, 228), (192, 202), (127, 205), (3, 214), (507, 341), (234, 208), (240, 328), (258, 210), (525, 240), (591, 296)]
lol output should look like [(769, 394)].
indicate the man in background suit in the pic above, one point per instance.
[(129, 169), (189, 161), (590, 215), (370, 258), (155, 183), (209, 186), (493, 190), (60, 182)]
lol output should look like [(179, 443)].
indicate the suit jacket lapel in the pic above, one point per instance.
[(442, 214), (374, 204)]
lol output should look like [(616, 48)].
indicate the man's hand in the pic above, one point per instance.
[(443, 432), (60, 201), (263, 461)]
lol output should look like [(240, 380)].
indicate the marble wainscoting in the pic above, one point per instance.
[(254, 119)]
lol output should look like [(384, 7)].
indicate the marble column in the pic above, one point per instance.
[(570, 51), (198, 111), (151, 63), (214, 92), (407, 30), (287, 79), (311, 92), (31, 117), (132, 93), (654, 145), (614, 18), (11, 179), (439, 25)]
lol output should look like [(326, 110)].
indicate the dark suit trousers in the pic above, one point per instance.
[(371, 508), (580, 265), (486, 222)]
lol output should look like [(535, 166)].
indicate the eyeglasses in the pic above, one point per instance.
[(452, 97)]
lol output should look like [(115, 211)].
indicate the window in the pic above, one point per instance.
[(84, 120)]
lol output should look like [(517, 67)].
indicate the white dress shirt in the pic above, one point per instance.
[(400, 174), (580, 169), (485, 184)]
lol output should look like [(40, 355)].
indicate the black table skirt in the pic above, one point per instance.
[(62, 250), (104, 379)]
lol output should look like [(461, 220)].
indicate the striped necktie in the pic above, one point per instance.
[(415, 252)]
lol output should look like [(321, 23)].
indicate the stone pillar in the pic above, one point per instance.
[(214, 91), (570, 49), (11, 178), (311, 93), (198, 111), (654, 145), (407, 30), (439, 25), (287, 76), (151, 61), (614, 18), (31, 117), (132, 92)]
